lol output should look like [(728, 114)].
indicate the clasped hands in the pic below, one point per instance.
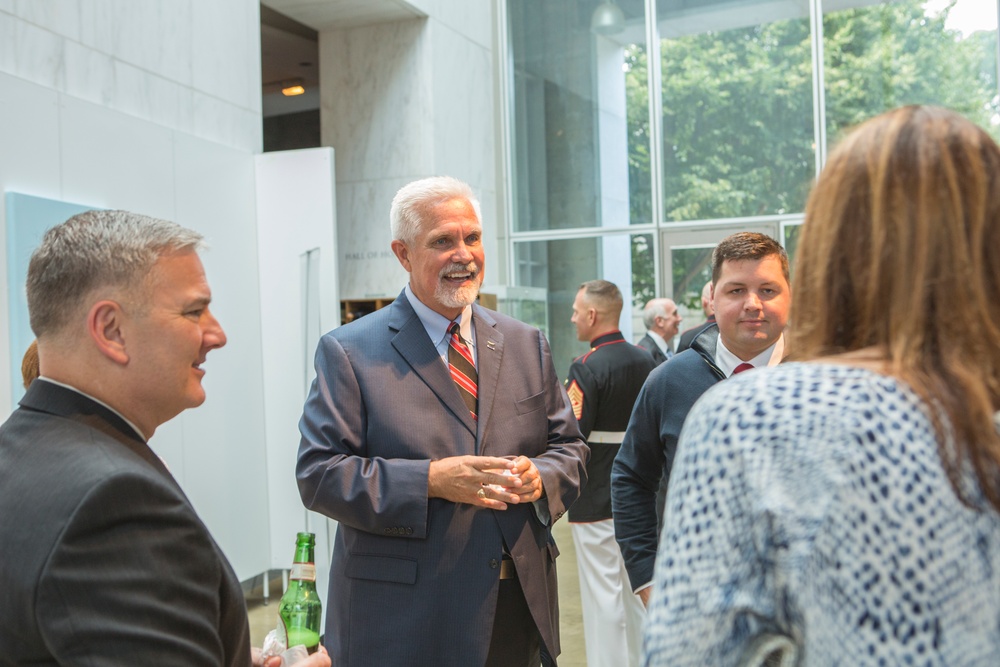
[(486, 481)]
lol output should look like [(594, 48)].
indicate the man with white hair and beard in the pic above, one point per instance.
[(438, 435)]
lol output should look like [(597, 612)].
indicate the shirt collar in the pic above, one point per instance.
[(659, 340), (727, 361), (437, 324), (99, 402)]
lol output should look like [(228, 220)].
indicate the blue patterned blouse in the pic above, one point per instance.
[(809, 501)]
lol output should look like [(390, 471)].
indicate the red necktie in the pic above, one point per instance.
[(463, 370), (742, 367)]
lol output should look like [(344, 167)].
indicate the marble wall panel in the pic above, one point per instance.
[(90, 74), (59, 17), (154, 36), (214, 119), (139, 58), (98, 24), (471, 18), (367, 266), (464, 141), (115, 160), (8, 27), (376, 100), (227, 61), (402, 101), (38, 55), (29, 161)]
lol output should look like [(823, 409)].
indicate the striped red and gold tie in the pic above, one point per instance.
[(463, 370)]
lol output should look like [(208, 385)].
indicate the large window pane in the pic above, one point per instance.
[(888, 54), (737, 108), (551, 272), (579, 109)]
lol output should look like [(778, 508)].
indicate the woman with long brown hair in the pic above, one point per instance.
[(843, 508)]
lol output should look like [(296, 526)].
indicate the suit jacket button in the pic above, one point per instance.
[(494, 564), (409, 531), (387, 531)]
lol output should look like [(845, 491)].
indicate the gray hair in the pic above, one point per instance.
[(654, 308), (115, 249), (413, 202)]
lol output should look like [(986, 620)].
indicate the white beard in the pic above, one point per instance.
[(458, 297)]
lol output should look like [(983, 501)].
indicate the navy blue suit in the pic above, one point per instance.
[(414, 580)]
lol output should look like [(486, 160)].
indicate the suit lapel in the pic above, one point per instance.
[(489, 353), (414, 345)]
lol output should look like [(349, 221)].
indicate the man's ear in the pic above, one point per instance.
[(402, 254), (104, 324)]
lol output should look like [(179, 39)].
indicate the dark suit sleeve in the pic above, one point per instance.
[(135, 580), (342, 474), (563, 465), (646, 452)]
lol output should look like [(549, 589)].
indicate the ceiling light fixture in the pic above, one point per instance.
[(287, 87), (607, 19), (292, 88)]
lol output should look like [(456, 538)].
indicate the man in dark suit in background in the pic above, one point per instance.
[(688, 335), (437, 434), (662, 321), (107, 563)]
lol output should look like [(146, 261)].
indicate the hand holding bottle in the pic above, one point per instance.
[(300, 613), (318, 659)]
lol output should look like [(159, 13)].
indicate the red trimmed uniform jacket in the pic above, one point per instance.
[(602, 386)]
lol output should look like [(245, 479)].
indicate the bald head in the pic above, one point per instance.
[(706, 299)]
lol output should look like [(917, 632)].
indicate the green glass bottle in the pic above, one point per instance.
[(300, 609)]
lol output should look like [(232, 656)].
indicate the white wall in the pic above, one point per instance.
[(155, 107), (401, 101), (190, 65), (296, 211)]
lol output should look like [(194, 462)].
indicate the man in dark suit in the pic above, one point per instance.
[(107, 563), (445, 455), (662, 321)]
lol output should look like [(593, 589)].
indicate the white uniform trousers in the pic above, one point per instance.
[(612, 613)]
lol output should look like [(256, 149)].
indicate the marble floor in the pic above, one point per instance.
[(263, 617)]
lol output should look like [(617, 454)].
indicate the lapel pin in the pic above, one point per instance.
[(491, 345)]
